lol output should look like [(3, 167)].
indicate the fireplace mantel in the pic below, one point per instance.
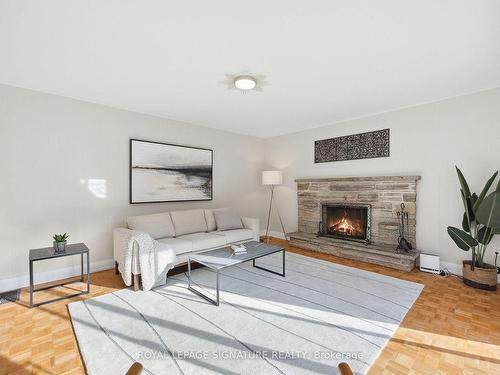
[(369, 178), (384, 194)]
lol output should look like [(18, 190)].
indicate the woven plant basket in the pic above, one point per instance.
[(481, 277)]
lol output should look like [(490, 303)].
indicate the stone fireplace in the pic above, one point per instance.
[(346, 221), (356, 218)]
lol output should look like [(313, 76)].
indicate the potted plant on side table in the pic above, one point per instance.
[(60, 242), (481, 221)]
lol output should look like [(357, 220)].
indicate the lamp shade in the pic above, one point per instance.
[(272, 178)]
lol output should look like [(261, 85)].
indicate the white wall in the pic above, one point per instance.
[(427, 140), (54, 150)]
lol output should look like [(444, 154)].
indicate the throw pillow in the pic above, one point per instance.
[(226, 220)]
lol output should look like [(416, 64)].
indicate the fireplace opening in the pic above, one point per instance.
[(349, 222)]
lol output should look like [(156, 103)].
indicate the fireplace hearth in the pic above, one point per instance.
[(345, 221)]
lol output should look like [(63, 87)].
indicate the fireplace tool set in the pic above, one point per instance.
[(403, 243)]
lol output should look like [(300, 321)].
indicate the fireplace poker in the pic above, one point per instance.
[(407, 225), (402, 220), (399, 225), (403, 243)]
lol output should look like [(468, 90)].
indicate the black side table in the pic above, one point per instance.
[(50, 253)]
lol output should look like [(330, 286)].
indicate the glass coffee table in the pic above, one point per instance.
[(221, 258)]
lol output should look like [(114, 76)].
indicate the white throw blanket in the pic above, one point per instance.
[(155, 258)]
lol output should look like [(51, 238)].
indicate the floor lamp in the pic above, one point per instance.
[(272, 179)]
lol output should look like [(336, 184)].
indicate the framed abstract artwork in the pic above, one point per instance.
[(375, 144), (162, 172)]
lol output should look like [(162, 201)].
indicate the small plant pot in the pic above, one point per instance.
[(60, 247), (481, 277)]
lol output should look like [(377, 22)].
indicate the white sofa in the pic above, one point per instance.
[(185, 232)]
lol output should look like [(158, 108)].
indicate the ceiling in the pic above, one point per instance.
[(323, 61)]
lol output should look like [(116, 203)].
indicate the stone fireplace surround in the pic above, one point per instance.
[(384, 194)]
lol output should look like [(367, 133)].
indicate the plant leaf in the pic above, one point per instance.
[(468, 206), (477, 203), (463, 240), (474, 198), (488, 212), (484, 235), (463, 182), (465, 223), (472, 201)]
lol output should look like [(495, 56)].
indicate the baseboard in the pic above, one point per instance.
[(456, 269), (274, 234), (53, 275), (63, 273)]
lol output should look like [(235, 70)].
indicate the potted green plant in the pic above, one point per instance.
[(480, 223), (60, 242)]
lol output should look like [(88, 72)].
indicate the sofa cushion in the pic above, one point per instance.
[(209, 217), (227, 220), (236, 235), (188, 221), (156, 225), (204, 241), (179, 246)]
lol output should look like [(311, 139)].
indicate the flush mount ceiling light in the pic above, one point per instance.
[(245, 82)]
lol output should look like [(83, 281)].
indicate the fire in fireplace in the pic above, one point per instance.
[(349, 222)]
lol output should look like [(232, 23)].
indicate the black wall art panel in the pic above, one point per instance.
[(368, 145)]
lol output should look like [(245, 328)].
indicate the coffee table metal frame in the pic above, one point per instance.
[(217, 282)]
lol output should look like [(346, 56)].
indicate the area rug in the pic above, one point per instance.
[(320, 314), (11, 296)]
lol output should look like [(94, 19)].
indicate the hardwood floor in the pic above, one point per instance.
[(451, 329)]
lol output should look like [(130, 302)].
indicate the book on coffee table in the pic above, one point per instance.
[(238, 249)]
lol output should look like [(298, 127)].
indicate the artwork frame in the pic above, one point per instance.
[(368, 145), (199, 190)]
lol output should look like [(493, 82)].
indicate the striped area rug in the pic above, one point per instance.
[(320, 314)]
